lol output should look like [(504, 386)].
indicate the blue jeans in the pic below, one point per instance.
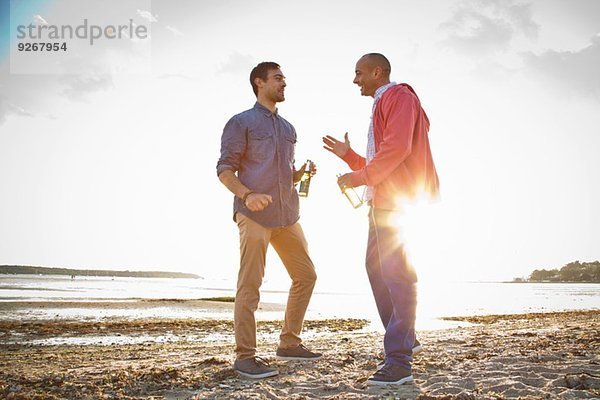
[(394, 285)]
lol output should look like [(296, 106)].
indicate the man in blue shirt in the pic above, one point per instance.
[(257, 166)]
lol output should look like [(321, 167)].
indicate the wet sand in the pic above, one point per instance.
[(10, 307), (530, 356)]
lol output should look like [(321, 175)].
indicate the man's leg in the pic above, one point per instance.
[(378, 286), (291, 245), (254, 239), (400, 280)]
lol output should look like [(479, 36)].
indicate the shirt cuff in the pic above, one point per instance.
[(224, 167), (350, 156), (356, 178)]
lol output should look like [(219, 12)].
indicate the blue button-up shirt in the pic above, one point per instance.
[(259, 146)]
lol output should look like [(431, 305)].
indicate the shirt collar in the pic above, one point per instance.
[(381, 90), (264, 110)]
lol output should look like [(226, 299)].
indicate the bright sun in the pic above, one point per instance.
[(417, 231)]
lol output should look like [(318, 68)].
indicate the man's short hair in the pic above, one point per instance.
[(379, 60), (261, 71)]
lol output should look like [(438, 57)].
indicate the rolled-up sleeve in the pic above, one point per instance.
[(233, 146)]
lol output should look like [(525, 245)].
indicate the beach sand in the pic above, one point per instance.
[(530, 356)]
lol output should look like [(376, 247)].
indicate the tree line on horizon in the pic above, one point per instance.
[(586, 272), (32, 270)]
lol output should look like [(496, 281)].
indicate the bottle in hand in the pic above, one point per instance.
[(351, 195), (305, 180)]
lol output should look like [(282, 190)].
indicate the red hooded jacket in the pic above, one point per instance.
[(402, 170)]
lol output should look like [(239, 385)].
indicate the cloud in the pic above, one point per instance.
[(480, 27), (521, 18), (15, 109), (7, 108), (3, 111), (236, 63), (30, 95), (502, 34), (147, 15), (78, 87), (76, 75), (19, 96), (175, 31), (475, 33), (574, 71), (175, 76), (38, 19)]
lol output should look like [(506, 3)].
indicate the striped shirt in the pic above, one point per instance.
[(368, 195)]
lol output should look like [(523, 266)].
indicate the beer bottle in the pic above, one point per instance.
[(351, 195), (305, 180)]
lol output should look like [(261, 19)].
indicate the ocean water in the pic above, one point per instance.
[(436, 299)]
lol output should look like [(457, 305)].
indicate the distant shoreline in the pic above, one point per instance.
[(573, 272), (33, 270)]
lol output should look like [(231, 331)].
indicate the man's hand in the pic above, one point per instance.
[(335, 146), (300, 171), (258, 201), (254, 201), (344, 180)]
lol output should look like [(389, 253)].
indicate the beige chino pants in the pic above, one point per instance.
[(291, 246)]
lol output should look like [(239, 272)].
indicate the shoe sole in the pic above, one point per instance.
[(402, 381), (284, 358), (257, 376)]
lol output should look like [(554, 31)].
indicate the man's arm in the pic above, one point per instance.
[(344, 151), (254, 201), (297, 175), (396, 145), (231, 182), (233, 145)]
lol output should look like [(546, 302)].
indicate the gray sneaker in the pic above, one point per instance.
[(390, 374), (297, 353), (254, 368)]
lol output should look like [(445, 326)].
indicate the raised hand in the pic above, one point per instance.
[(335, 146)]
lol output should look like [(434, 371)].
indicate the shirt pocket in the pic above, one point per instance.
[(289, 145), (260, 145)]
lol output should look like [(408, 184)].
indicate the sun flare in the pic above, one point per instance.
[(416, 225)]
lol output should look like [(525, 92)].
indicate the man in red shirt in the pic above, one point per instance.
[(398, 170)]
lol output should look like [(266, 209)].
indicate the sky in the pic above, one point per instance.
[(108, 152)]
